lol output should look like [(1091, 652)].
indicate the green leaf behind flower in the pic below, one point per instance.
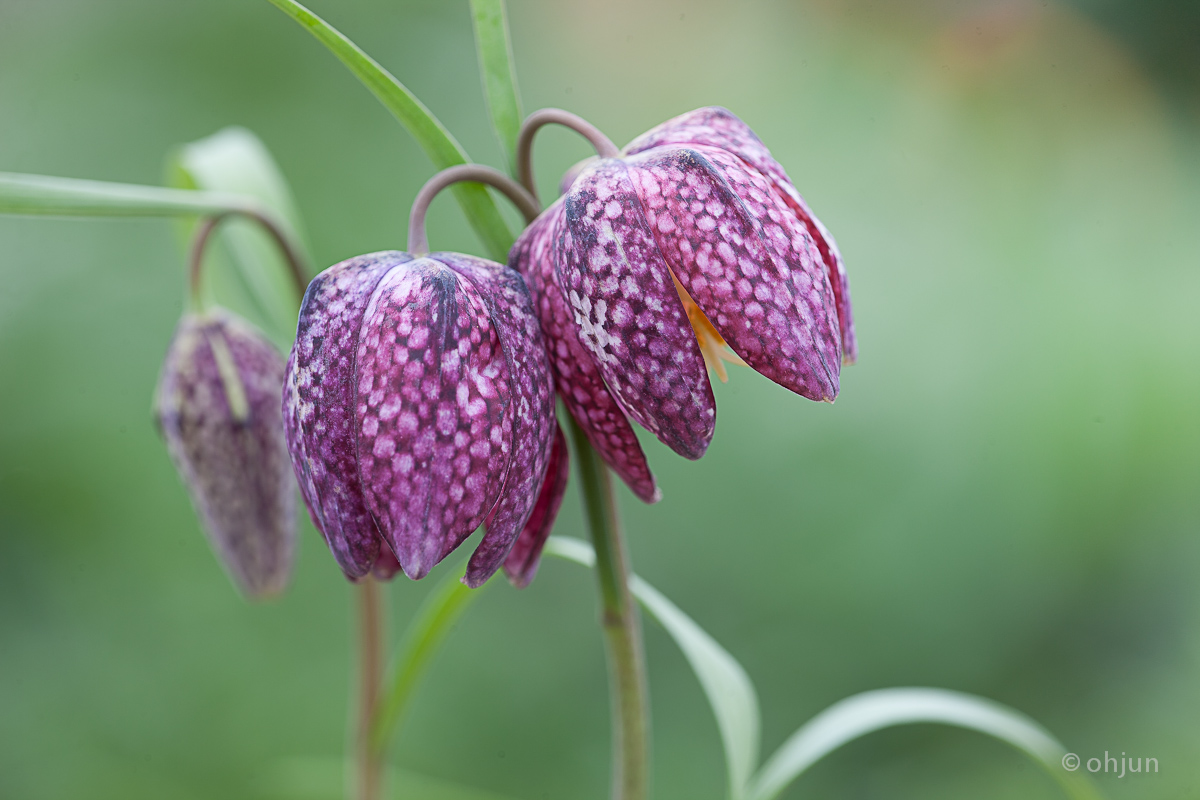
[(725, 683), (429, 132), (425, 634), (245, 270), (43, 195), (865, 713), (499, 77), (326, 779), (735, 705)]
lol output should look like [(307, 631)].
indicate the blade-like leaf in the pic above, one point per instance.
[(235, 160), (325, 779), (43, 195), (499, 78), (436, 616), (725, 683), (430, 134), (871, 711)]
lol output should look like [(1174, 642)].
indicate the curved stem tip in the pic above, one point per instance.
[(418, 243), (291, 254), (546, 116)]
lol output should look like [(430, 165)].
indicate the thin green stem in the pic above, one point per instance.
[(368, 763), (425, 634), (622, 628), (45, 195)]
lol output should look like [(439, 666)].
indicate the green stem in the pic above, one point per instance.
[(44, 195), (622, 628), (433, 621), (368, 761)]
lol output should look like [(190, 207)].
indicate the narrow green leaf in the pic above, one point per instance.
[(499, 78), (43, 195), (430, 134), (725, 682), (248, 265), (425, 634), (871, 711), (324, 778)]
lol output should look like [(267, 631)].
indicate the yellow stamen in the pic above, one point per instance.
[(712, 344)]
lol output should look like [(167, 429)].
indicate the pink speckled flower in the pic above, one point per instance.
[(653, 262), (217, 406), (418, 405)]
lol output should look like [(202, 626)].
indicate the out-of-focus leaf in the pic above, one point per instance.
[(429, 132), (436, 616), (499, 78), (43, 195), (235, 160), (725, 682), (326, 779), (865, 713)]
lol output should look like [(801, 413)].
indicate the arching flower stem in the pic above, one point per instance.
[(546, 116), (418, 243), (619, 614), (297, 269), (622, 628), (619, 617)]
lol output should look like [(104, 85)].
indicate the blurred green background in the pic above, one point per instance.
[(1003, 500)]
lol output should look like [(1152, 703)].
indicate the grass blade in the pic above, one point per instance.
[(499, 77), (726, 684), (245, 270), (429, 132), (871, 711), (324, 778), (42, 195), (425, 634)]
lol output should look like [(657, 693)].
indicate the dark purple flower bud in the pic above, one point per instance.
[(217, 406), (418, 405), (653, 263)]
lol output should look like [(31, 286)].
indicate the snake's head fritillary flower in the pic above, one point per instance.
[(657, 263), (419, 405), (217, 406)]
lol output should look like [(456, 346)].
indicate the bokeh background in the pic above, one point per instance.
[(1002, 501)]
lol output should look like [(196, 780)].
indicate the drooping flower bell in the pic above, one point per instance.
[(217, 406), (418, 406), (658, 258)]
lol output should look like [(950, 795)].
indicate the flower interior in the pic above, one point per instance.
[(712, 345)]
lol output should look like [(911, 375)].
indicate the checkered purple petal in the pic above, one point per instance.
[(433, 411), (576, 375), (751, 267), (318, 406), (718, 127), (628, 311)]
